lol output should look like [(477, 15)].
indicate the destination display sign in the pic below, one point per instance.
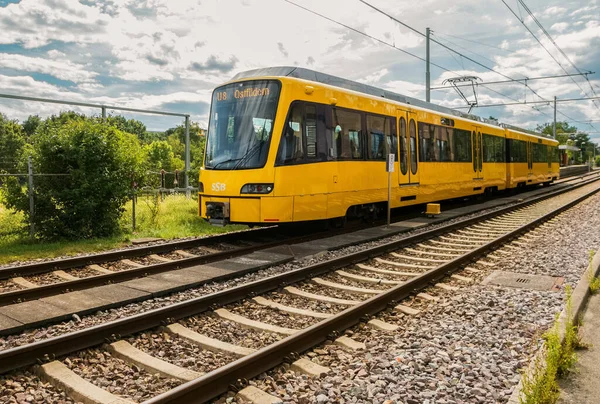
[(237, 92)]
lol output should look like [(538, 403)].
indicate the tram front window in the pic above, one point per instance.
[(241, 125)]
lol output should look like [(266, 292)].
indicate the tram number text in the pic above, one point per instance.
[(222, 96), (218, 186)]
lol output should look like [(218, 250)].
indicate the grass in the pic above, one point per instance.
[(593, 281), (175, 216), (540, 385)]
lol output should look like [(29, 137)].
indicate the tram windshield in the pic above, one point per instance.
[(241, 124)]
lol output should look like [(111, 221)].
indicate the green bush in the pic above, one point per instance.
[(101, 162)]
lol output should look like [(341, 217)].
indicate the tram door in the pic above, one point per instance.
[(477, 142), (529, 159), (407, 142)]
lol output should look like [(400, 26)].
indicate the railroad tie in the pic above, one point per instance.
[(132, 263), (446, 287), (461, 278), (185, 254), (310, 368), (63, 378), (257, 396), (293, 310), (65, 276), (100, 269), (124, 350), (407, 310), (321, 298), (208, 343), (348, 288), (360, 278), (401, 264), (257, 325), (428, 297), (382, 325), (409, 257), (160, 258), (24, 283), (385, 271), (349, 343)]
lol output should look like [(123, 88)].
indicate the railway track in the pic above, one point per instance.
[(42, 279), (269, 321)]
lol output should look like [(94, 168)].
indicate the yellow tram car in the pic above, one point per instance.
[(288, 144)]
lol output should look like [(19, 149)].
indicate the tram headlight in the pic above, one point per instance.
[(257, 189)]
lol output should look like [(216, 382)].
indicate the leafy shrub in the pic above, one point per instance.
[(101, 162)]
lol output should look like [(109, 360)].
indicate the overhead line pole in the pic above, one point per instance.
[(187, 155), (554, 123), (427, 71)]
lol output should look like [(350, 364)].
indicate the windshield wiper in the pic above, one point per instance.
[(249, 153), (223, 162)]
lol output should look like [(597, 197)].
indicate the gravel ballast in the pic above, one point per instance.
[(467, 348)]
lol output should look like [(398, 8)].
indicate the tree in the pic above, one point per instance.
[(132, 126), (100, 162), (31, 124), (176, 138), (561, 128), (12, 143)]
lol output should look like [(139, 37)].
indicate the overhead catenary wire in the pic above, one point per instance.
[(541, 44), (411, 54), (464, 56), (554, 42)]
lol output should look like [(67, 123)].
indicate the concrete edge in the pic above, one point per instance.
[(579, 299)]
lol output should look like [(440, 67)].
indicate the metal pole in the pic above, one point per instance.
[(31, 202), (187, 155), (554, 124), (427, 72), (389, 205), (133, 209), (390, 169), (103, 112)]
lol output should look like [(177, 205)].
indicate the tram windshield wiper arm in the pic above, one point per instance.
[(225, 161)]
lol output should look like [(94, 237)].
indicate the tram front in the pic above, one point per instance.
[(236, 175)]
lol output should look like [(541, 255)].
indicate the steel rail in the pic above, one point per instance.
[(14, 358), (21, 295), (217, 382), (73, 262)]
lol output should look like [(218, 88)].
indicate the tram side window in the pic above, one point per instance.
[(518, 151), (539, 153), (347, 134), (493, 149), (436, 143), (303, 138), (445, 144), (403, 147), (462, 146), (428, 148), (381, 137)]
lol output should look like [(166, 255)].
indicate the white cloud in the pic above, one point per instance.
[(559, 26), (190, 47), (61, 69)]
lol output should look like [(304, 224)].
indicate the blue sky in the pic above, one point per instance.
[(169, 55)]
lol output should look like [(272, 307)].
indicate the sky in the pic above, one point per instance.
[(170, 54)]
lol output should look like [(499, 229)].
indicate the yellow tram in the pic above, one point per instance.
[(288, 144)]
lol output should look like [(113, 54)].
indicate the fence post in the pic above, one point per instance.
[(133, 208), (187, 156), (31, 201)]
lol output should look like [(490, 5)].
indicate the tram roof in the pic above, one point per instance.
[(311, 75)]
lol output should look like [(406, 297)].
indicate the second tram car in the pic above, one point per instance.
[(288, 144)]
